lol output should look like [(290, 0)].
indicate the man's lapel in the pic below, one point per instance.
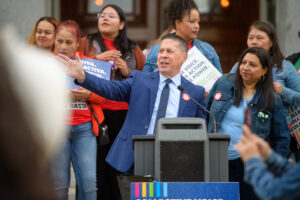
[(183, 103), (153, 90)]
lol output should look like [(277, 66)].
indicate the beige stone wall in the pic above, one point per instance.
[(288, 25), (23, 14)]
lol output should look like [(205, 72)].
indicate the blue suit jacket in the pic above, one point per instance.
[(139, 90)]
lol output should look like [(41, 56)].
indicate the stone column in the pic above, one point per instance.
[(288, 25), (23, 14)]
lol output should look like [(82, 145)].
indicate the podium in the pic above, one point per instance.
[(144, 155), (181, 150)]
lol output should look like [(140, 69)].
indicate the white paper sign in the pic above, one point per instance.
[(79, 104), (199, 70)]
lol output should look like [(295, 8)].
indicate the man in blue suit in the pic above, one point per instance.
[(143, 91)]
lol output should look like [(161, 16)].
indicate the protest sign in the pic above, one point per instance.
[(294, 112), (95, 67), (198, 69)]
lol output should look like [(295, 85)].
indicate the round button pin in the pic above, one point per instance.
[(186, 97), (218, 96)]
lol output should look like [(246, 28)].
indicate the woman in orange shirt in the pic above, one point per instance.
[(81, 144)]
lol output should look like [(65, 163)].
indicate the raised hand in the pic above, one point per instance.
[(73, 68), (277, 87), (264, 148), (252, 145)]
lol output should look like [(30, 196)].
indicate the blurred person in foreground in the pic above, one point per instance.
[(80, 149), (150, 96), (42, 34), (272, 175), (31, 119)]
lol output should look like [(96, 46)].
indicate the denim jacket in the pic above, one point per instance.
[(271, 125), (206, 49), (290, 81), (277, 178)]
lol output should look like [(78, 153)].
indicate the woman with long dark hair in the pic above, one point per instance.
[(111, 44), (251, 87), (286, 80)]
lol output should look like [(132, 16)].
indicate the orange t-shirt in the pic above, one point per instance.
[(80, 111)]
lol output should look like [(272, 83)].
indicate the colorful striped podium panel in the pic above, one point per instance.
[(183, 191)]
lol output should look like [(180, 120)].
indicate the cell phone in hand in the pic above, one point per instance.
[(274, 75), (248, 117)]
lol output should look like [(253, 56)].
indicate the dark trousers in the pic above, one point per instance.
[(108, 188), (236, 174)]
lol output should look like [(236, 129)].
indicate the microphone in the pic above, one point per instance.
[(201, 106)]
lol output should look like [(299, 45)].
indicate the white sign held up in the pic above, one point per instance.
[(199, 70)]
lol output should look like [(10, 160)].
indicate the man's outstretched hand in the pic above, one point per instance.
[(73, 68)]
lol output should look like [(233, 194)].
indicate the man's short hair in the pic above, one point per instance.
[(182, 44)]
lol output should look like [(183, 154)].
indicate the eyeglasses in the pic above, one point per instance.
[(108, 15)]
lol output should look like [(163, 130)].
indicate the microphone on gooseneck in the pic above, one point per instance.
[(201, 106)]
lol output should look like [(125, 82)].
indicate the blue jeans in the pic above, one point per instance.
[(81, 150)]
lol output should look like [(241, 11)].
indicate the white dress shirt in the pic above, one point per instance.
[(173, 102)]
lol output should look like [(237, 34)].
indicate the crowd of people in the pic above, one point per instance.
[(142, 89)]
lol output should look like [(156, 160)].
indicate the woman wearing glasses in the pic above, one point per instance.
[(111, 44)]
